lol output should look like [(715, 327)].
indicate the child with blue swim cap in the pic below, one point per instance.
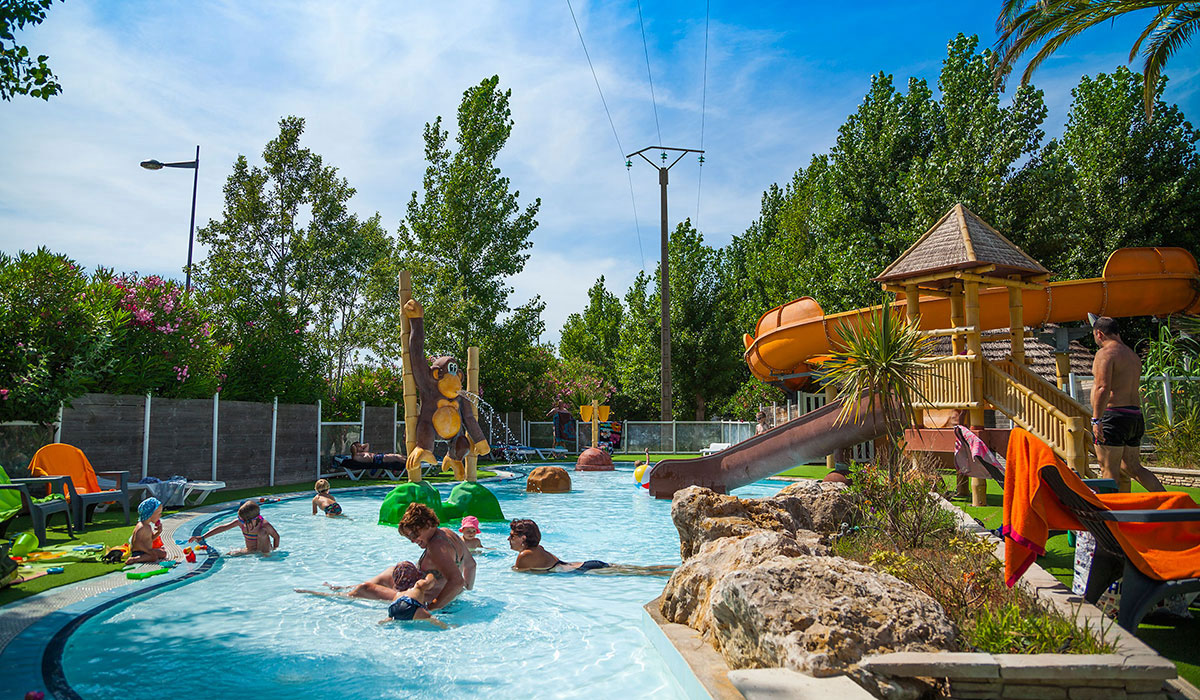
[(149, 527)]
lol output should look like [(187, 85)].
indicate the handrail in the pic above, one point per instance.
[(1029, 410), (1061, 400)]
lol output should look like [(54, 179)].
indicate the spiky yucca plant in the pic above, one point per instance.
[(879, 364)]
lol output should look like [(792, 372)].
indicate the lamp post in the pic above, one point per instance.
[(195, 166)]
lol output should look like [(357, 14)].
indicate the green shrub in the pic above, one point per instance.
[(377, 386), (56, 334), (269, 355), (901, 509)]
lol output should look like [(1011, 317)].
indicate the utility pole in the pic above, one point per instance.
[(664, 277)]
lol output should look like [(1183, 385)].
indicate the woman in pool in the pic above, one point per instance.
[(526, 539), (446, 555)]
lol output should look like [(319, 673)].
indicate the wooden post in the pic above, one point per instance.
[(595, 423), (975, 347), (830, 397), (912, 302), (1062, 370), (957, 318), (1016, 324), (412, 409), (473, 388), (1077, 452)]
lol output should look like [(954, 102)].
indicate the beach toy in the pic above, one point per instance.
[(168, 563), (86, 547), (189, 555), (139, 575), (158, 542), (24, 543), (642, 475), (54, 570)]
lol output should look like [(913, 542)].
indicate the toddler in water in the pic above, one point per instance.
[(141, 542), (324, 501), (412, 602), (470, 532), (258, 533)]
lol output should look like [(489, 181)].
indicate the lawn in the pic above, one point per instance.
[(109, 529)]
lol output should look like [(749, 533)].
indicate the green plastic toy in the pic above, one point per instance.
[(24, 543), (139, 575), (465, 499)]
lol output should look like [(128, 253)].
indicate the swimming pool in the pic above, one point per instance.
[(242, 631)]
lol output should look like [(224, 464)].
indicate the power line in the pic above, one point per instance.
[(703, 100), (620, 148), (646, 48)]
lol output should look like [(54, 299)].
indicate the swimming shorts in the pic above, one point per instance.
[(136, 553), (403, 608), (589, 565), (1122, 426), (378, 458), (333, 509)]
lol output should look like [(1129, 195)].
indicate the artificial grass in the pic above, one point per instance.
[(109, 529), (1175, 641)]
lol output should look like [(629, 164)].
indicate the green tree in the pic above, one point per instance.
[(637, 357), (593, 336), (1135, 180), (514, 365), (1023, 24), (21, 74), (466, 233), (285, 252)]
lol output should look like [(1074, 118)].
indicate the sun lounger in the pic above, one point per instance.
[(82, 488), (550, 452), (199, 489), (345, 466), (1139, 592), (714, 448), (516, 453)]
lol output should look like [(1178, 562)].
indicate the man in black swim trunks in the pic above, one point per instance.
[(1116, 408)]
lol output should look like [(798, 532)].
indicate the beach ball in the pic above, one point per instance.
[(642, 475), (24, 543)]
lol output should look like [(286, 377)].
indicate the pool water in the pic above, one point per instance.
[(241, 631)]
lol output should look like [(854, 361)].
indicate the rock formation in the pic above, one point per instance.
[(548, 480), (759, 581)]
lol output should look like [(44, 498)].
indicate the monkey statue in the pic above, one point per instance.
[(442, 409)]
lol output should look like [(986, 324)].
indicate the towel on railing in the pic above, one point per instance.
[(971, 455), (1165, 551)]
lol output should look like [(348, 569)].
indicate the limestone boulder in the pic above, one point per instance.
[(806, 510), (820, 615), (548, 480), (685, 599)]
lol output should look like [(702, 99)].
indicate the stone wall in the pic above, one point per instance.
[(1177, 477)]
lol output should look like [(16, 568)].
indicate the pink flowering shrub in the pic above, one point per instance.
[(577, 383), (167, 346)]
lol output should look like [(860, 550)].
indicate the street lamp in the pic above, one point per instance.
[(194, 165)]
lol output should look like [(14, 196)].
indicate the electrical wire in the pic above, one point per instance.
[(646, 48), (616, 138), (703, 101)]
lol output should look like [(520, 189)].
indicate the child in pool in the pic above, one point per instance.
[(141, 542), (470, 533), (412, 603), (525, 538), (257, 532), (324, 501)]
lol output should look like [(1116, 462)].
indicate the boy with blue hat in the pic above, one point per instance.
[(149, 527)]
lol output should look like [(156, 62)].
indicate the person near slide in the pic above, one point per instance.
[(1117, 421)]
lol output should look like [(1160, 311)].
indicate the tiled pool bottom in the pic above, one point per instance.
[(241, 629)]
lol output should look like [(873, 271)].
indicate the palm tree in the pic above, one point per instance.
[(1022, 24)]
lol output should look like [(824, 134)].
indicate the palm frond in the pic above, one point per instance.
[(1171, 33)]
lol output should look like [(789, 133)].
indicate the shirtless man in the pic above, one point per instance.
[(1116, 408)]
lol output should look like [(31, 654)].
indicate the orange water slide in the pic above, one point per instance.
[(1135, 282)]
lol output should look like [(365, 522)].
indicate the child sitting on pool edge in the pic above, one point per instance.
[(257, 532), (470, 532), (149, 527), (324, 501)]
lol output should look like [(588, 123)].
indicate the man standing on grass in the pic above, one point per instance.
[(1117, 408)]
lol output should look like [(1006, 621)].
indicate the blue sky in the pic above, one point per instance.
[(149, 79)]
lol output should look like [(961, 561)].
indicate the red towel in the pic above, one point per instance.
[(1165, 551)]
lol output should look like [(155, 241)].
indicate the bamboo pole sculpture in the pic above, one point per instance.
[(412, 408), (975, 347), (472, 459)]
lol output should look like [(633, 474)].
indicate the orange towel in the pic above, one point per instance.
[(1164, 551), (60, 459)]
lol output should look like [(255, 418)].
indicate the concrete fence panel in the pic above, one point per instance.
[(295, 443), (244, 443), (108, 429), (180, 439), (380, 428)]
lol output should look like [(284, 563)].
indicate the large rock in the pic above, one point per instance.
[(805, 510), (548, 480), (820, 615), (686, 595)]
